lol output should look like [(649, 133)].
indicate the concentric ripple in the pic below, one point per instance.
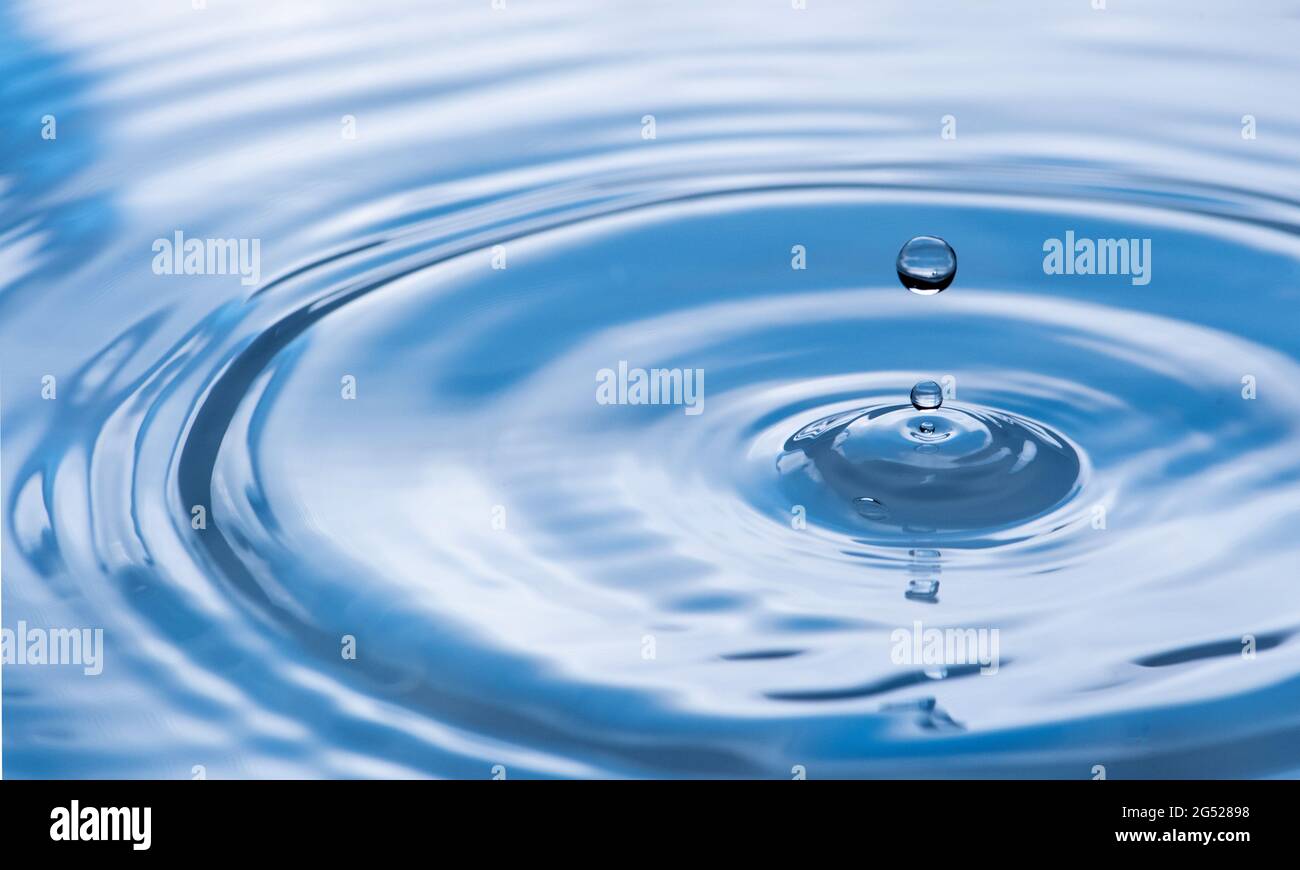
[(628, 525), (418, 437), (931, 471)]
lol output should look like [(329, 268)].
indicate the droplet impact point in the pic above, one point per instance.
[(980, 468)]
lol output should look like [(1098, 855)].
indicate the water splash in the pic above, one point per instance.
[(958, 469)]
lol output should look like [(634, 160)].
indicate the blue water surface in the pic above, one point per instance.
[(430, 549)]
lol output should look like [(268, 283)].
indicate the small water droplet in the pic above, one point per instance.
[(927, 427), (871, 509), (922, 590), (926, 396), (926, 265)]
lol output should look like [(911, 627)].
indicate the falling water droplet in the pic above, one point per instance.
[(926, 396), (870, 508), (927, 427), (926, 265)]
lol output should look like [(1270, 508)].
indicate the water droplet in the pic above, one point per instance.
[(926, 265), (870, 508), (927, 427), (926, 396), (923, 590)]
